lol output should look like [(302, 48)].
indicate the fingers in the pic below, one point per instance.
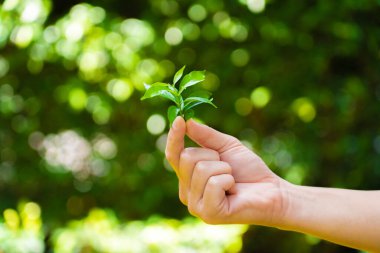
[(188, 161), (214, 197), (203, 171), (209, 138), (214, 208), (176, 142)]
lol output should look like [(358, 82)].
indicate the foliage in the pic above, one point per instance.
[(152, 235), (183, 106), (297, 81), (101, 231), (21, 231)]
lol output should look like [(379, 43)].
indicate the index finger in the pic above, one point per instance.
[(175, 142)]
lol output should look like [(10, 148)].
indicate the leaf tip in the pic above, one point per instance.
[(147, 86)]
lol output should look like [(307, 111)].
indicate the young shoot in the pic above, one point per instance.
[(174, 92)]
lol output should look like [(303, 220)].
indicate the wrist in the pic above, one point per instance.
[(291, 206), (301, 208)]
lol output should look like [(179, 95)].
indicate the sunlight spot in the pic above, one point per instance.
[(173, 36), (31, 12), (156, 124), (304, 109), (105, 147), (78, 99), (11, 218), (74, 31), (120, 89), (97, 15), (197, 12), (240, 57), (260, 96), (161, 142), (256, 6), (51, 34), (89, 61), (32, 210), (138, 33), (243, 106), (10, 4), (22, 35)]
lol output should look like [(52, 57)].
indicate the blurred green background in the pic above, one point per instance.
[(82, 166)]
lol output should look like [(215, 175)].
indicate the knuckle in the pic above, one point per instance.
[(233, 141), (192, 210), (187, 154), (214, 154), (227, 167), (201, 167), (213, 181), (182, 198), (182, 194), (210, 219)]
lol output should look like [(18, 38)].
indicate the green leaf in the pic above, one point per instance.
[(162, 84), (172, 113), (200, 93), (189, 114), (191, 79), (178, 75), (162, 90), (191, 102), (147, 86)]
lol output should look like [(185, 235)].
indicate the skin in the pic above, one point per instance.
[(223, 182)]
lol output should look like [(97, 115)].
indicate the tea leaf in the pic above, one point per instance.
[(191, 79), (189, 114), (191, 102), (178, 75), (200, 93), (162, 90), (147, 86), (173, 112), (183, 106)]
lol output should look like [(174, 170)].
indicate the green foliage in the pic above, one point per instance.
[(298, 81), (183, 105), (101, 231), (21, 231), (156, 234)]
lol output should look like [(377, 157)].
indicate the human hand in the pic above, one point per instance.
[(222, 181)]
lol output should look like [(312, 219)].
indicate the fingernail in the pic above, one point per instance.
[(175, 122)]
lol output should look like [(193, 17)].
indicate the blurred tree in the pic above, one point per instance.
[(299, 82)]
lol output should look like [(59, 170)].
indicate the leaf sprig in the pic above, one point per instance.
[(183, 105)]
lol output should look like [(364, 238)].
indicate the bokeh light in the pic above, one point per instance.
[(173, 36), (78, 99), (301, 92), (304, 108), (156, 124), (120, 89), (197, 12), (260, 96), (256, 6), (240, 57), (243, 106)]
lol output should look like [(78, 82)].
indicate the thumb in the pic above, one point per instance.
[(208, 137), (175, 142)]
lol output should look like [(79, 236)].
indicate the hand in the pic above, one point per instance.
[(222, 181)]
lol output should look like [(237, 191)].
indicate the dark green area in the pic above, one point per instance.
[(298, 81)]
